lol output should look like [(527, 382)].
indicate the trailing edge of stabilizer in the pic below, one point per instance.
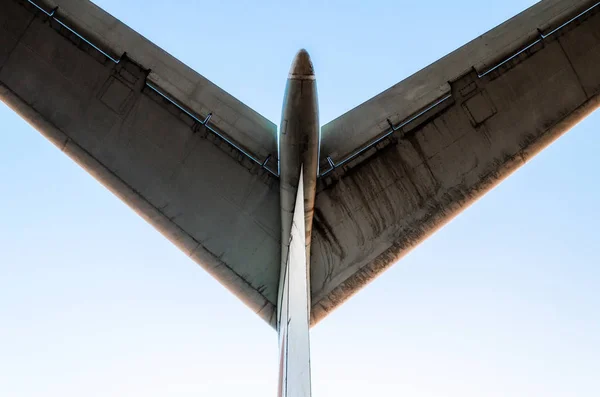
[(293, 327)]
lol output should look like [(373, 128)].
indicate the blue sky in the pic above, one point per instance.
[(502, 301)]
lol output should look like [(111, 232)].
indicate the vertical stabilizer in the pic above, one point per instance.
[(294, 306)]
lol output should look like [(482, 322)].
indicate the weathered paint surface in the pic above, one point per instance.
[(417, 92), (223, 210), (376, 208), (215, 204), (244, 125)]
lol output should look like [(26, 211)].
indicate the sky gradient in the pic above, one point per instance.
[(502, 301)]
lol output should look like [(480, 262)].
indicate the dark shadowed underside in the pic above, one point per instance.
[(201, 166)]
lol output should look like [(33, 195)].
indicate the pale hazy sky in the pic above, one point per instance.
[(503, 301)]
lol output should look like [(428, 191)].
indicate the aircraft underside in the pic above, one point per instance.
[(296, 220)]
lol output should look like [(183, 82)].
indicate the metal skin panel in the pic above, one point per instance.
[(205, 196), (223, 209), (295, 248), (373, 210), (13, 22), (367, 122), (247, 128)]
